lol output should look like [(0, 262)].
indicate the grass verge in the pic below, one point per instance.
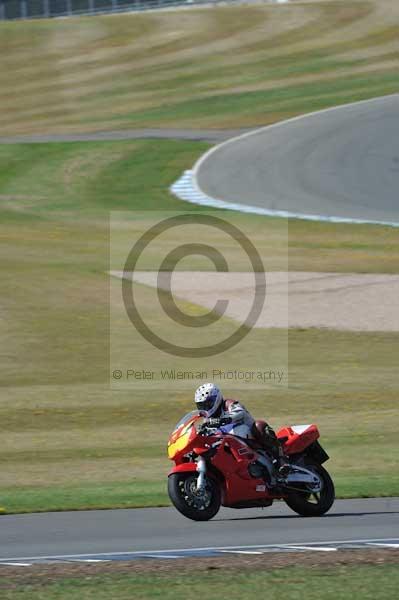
[(368, 582)]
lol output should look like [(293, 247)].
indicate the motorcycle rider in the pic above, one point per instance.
[(230, 416)]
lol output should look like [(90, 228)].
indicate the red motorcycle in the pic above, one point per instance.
[(213, 468)]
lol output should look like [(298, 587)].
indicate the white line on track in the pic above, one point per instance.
[(193, 549), (312, 548), (145, 555), (383, 545), (242, 551), (88, 560)]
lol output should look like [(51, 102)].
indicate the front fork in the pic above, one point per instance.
[(201, 465), (201, 470)]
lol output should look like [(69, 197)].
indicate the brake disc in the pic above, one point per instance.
[(199, 498)]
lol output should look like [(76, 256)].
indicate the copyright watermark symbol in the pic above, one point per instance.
[(164, 288), (190, 294)]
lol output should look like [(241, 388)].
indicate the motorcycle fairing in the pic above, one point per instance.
[(183, 434), (184, 467), (233, 460)]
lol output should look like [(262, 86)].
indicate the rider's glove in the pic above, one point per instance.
[(214, 422)]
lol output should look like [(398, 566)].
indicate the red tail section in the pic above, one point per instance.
[(297, 437)]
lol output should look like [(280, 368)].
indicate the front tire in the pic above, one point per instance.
[(309, 504), (182, 490)]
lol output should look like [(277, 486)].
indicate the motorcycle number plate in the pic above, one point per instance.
[(260, 488)]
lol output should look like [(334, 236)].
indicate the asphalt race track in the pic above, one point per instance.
[(341, 162), (98, 534)]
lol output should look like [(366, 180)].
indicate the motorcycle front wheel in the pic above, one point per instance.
[(310, 504), (193, 504)]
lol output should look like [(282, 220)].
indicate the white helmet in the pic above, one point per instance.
[(208, 398)]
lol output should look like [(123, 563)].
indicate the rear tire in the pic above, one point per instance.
[(313, 505), (182, 492)]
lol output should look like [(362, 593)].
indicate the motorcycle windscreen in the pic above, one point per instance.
[(187, 417)]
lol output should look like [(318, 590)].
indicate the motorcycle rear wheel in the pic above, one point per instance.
[(309, 504), (191, 504)]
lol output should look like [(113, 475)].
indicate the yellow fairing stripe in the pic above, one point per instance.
[(178, 445)]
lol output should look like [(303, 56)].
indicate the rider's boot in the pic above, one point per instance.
[(263, 468), (281, 465)]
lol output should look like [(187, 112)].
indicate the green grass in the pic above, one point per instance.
[(125, 494), (330, 583), (249, 107), (40, 182)]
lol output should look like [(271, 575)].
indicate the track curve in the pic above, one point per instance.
[(341, 162)]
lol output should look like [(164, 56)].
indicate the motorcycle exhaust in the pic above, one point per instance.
[(299, 475)]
